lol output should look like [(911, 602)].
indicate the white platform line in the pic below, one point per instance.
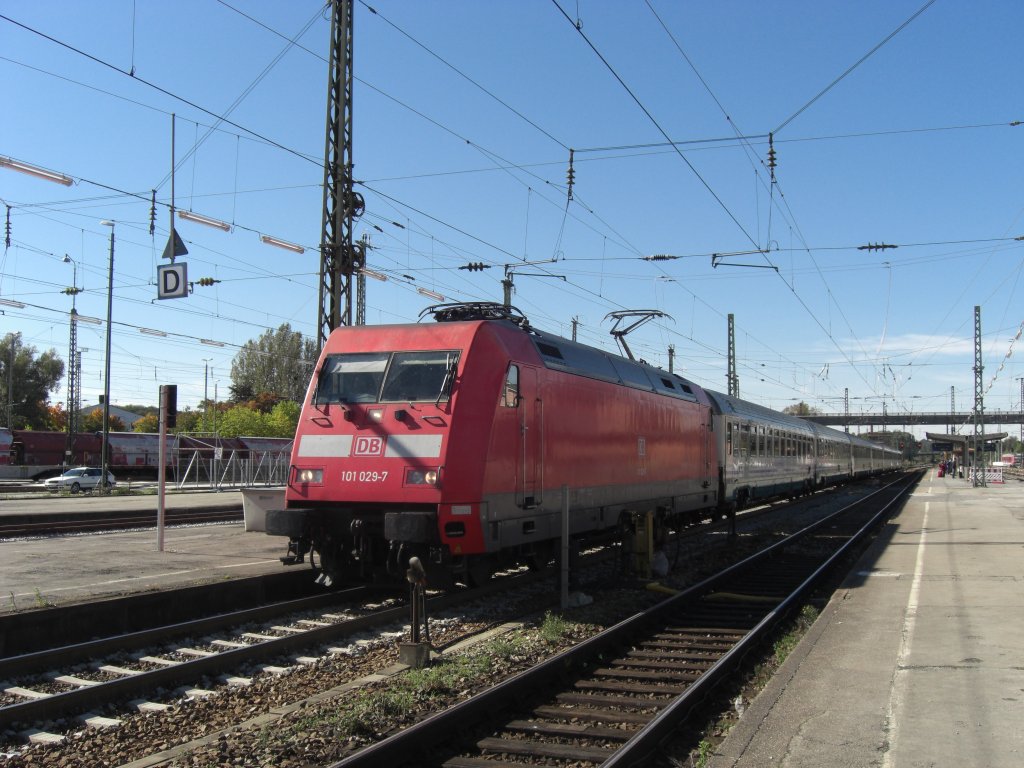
[(898, 691), (142, 577)]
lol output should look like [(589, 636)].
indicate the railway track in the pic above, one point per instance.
[(70, 683), (85, 682), (100, 672), (20, 526), (612, 700)]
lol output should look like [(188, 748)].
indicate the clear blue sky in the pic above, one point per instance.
[(463, 116)]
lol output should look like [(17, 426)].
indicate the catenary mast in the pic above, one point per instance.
[(340, 258)]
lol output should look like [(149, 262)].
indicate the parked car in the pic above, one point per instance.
[(79, 479)]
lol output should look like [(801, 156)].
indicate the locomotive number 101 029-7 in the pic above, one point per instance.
[(351, 476)]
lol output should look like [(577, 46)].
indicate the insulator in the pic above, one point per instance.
[(7, 228), (152, 215), (570, 175)]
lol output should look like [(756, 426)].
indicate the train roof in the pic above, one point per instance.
[(569, 356), (727, 404), (465, 319)]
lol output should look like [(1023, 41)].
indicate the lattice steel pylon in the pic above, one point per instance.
[(340, 258), (979, 404), (732, 378), (74, 385)]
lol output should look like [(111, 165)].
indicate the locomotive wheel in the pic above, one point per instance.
[(324, 562), (541, 556), (478, 571), (315, 561)]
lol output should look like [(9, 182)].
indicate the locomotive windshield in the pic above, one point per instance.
[(388, 377)]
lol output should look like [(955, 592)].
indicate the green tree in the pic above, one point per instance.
[(148, 423), (93, 422), (26, 381), (283, 419), (240, 421), (189, 421), (801, 409), (56, 419), (278, 362)]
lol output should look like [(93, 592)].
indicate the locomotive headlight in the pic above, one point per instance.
[(309, 475), (421, 476)]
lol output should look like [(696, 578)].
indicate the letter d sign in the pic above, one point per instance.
[(172, 281)]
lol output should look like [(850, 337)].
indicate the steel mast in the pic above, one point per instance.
[(339, 257)]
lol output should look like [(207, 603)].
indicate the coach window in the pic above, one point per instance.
[(510, 392)]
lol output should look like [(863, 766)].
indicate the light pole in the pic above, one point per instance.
[(104, 447), (15, 338), (1021, 380), (206, 388)]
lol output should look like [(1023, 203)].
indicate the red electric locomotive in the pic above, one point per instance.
[(453, 441)]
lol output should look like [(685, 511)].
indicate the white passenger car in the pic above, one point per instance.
[(78, 479)]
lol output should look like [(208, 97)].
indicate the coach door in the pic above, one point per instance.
[(707, 445), (529, 480)]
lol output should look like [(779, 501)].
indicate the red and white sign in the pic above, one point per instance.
[(368, 446)]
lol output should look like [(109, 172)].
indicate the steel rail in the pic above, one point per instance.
[(424, 735), (84, 699), (40, 525), (661, 727)]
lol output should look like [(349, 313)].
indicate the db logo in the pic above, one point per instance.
[(368, 446)]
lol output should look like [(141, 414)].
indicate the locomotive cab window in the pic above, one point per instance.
[(415, 376), (372, 377), (351, 378), (510, 392)]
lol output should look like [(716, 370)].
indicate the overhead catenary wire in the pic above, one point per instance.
[(571, 251)]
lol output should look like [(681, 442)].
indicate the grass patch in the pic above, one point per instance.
[(371, 712), (553, 628)]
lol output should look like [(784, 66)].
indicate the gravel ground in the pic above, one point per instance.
[(315, 718), (316, 714)]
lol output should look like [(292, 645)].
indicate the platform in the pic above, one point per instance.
[(918, 660), (65, 569)]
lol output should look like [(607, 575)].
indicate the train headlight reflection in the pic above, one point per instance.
[(309, 475)]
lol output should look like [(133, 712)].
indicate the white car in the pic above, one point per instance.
[(78, 479)]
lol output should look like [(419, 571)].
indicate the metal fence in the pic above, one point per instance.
[(219, 466)]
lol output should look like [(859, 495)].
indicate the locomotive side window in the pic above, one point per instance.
[(510, 392), (414, 376), (353, 378)]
